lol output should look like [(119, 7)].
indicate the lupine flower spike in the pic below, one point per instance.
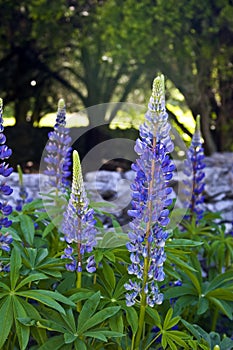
[(79, 224), (59, 151), (193, 168), (150, 201), (5, 190), (23, 194)]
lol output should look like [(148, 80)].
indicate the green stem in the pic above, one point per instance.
[(146, 259), (214, 319), (153, 340), (79, 285)]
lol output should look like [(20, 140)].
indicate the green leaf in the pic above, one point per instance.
[(55, 343), (49, 228), (223, 306), (5, 309), (109, 275), (203, 305), (164, 340), (116, 323), (132, 318), (181, 263), (43, 297), (69, 320), (50, 325), (120, 289), (28, 228), (182, 243), (4, 286), (22, 331), (195, 281), (89, 308), (179, 291), (173, 322), (171, 344), (102, 334), (192, 329), (79, 296), (69, 338), (15, 263), (221, 280), (99, 317), (155, 316), (80, 345), (176, 336), (29, 279), (97, 335), (110, 256), (167, 318)]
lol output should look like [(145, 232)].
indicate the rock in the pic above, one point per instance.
[(112, 188)]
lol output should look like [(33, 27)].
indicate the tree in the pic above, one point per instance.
[(195, 52)]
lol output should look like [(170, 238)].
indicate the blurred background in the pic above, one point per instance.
[(93, 52)]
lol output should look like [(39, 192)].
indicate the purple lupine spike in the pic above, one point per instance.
[(194, 168), (79, 224), (150, 191), (23, 194), (5, 190), (59, 151)]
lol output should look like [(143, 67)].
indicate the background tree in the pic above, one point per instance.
[(92, 52)]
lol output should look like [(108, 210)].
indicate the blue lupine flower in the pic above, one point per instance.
[(150, 200), (5, 241), (79, 224), (59, 151), (5, 190), (194, 168)]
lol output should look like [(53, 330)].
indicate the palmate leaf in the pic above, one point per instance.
[(37, 260)]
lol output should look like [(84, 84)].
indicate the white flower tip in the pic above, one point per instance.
[(158, 86), (61, 103)]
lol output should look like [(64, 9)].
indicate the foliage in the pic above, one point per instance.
[(44, 305)]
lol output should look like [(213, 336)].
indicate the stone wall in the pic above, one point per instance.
[(113, 187)]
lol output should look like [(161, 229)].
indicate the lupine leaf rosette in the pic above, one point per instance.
[(150, 202)]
